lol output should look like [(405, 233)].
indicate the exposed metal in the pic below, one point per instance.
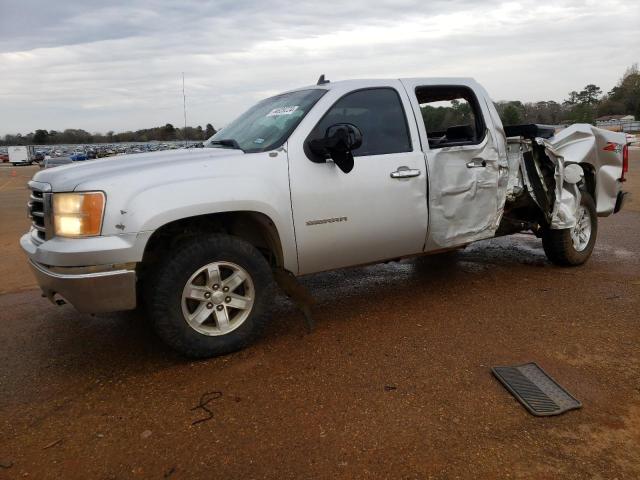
[(585, 145)]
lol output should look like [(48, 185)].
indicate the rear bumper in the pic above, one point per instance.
[(89, 289), (620, 199)]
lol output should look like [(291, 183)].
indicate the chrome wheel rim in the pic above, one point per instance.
[(218, 298), (581, 233)]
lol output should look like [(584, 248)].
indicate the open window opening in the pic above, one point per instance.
[(451, 116)]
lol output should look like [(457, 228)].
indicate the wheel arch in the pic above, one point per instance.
[(590, 179), (251, 226)]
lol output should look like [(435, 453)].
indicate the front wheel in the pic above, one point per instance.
[(573, 246), (211, 297)]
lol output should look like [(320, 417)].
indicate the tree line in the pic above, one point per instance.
[(439, 118), (582, 106), (77, 135)]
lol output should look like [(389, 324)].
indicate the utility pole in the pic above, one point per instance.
[(184, 108)]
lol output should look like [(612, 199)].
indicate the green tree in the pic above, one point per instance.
[(40, 137), (582, 106), (582, 113), (574, 98), (624, 98), (168, 132), (511, 115), (209, 131), (589, 94)]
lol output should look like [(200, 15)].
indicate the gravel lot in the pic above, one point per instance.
[(395, 381)]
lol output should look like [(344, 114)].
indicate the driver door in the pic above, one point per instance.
[(376, 211)]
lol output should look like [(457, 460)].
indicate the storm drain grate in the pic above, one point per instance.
[(537, 391)]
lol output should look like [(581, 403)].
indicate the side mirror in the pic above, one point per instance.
[(338, 143)]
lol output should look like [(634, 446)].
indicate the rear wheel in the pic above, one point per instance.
[(573, 246), (211, 297)]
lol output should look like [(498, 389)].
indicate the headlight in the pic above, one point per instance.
[(78, 214)]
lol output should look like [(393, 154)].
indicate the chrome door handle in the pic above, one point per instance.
[(405, 172), (476, 163)]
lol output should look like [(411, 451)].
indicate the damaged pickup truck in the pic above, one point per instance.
[(319, 178)]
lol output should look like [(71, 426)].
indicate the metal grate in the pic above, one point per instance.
[(38, 213), (537, 391)]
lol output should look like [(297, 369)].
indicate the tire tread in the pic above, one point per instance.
[(167, 317), (558, 245)]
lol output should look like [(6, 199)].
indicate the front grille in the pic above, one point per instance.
[(38, 212)]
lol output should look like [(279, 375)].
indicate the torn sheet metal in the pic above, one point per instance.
[(575, 153), (567, 195), (556, 170), (591, 148), (515, 149)]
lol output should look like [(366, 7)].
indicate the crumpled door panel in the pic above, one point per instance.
[(463, 202)]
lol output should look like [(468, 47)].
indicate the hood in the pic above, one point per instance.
[(111, 169)]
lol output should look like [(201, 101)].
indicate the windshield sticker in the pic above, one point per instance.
[(276, 112), (259, 140)]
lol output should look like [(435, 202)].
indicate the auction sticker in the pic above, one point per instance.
[(276, 112)]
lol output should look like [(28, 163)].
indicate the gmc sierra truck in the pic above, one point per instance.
[(318, 178)]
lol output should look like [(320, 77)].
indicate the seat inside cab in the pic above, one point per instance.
[(451, 115)]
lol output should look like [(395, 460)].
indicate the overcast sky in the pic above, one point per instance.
[(116, 65)]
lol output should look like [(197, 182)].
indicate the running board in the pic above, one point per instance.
[(537, 391)]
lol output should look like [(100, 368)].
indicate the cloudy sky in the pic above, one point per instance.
[(116, 64)]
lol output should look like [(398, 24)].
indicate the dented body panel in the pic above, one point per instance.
[(578, 158), (596, 149), (465, 203)]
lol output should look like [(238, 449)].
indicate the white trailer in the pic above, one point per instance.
[(20, 155)]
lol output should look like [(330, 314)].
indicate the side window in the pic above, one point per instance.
[(379, 115), (451, 116)]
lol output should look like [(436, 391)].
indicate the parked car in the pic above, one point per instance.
[(4, 157), (78, 157), (319, 178)]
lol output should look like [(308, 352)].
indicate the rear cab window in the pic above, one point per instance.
[(451, 116)]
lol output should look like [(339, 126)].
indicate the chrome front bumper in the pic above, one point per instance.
[(89, 289)]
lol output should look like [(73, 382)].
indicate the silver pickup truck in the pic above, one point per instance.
[(319, 178)]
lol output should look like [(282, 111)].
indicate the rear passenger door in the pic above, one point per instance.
[(373, 212), (464, 164)]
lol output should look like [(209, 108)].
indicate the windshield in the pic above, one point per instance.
[(266, 125)]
